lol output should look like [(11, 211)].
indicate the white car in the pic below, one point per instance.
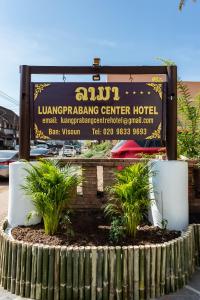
[(7, 157), (69, 150)]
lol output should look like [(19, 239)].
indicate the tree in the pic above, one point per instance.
[(182, 3)]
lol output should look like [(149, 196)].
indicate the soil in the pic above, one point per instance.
[(91, 229)]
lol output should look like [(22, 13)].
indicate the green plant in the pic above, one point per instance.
[(98, 150), (51, 189), (189, 122), (188, 135), (164, 224), (117, 230), (129, 196)]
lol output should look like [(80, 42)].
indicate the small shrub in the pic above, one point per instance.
[(117, 232), (129, 196), (51, 189)]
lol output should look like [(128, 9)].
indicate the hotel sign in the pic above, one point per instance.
[(94, 111)]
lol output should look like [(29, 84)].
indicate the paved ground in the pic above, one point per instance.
[(190, 292)]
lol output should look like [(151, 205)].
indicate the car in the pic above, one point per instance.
[(133, 149), (7, 157), (39, 152), (69, 150)]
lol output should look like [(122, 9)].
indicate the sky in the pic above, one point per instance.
[(63, 32)]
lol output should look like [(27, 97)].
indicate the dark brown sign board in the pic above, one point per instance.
[(170, 114), (94, 111)]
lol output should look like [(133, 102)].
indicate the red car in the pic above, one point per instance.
[(133, 149)]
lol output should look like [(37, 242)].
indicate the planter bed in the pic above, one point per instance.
[(105, 272), (91, 229)]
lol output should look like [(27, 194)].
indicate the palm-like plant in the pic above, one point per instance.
[(51, 189), (129, 196), (182, 3)]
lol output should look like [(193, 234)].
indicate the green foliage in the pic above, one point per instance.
[(117, 230), (188, 135), (98, 150), (164, 224), (182, 3), (189, 122), (51, 189), (129, 196)]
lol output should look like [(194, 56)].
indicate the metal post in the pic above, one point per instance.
[(171, 111), (24, 125)]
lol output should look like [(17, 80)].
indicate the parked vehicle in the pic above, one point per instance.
[(7, 157), (39, 152), (133, 149), (69, 150)]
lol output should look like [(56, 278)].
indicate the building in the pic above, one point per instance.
[(9, 128)]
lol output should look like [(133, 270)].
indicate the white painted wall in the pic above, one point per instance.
[(170, 194), (19, 204)]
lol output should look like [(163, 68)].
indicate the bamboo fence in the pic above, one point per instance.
[(98, 273)]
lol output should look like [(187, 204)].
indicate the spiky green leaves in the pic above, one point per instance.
[(51, 189), (129, 196)]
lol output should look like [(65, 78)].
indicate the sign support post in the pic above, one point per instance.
[(24, 126), (171, 113)]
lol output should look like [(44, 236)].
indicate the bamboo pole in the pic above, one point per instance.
[(118, 273), (33, 271), (163, 269), (28, 270), (50, 292), (75, 272), (130, 272), (3, 260), (158, 269), (99, 273), (141, 273), (196, 243), (125, 272), (112, 260), (172, 276), (81, 273), (182, 261), (147, 271), (69, 273), (18, 268), (1, 257), (39, 274), (45, 264), (193, 249), (5, 270), (186, 258), (176, 264), (180, 279), (14, 266), (153, 271), (87, 274), (63, 265), (136, 273), (9, 266), (94, 273), (57, 273), (23, 270)]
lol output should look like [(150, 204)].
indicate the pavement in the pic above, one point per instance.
[(190, 292)]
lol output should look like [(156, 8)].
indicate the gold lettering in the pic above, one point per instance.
[(91, 90), (115, 90), (81, 94), (104, 93)]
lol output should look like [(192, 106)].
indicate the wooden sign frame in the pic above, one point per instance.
[(171, 97)]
